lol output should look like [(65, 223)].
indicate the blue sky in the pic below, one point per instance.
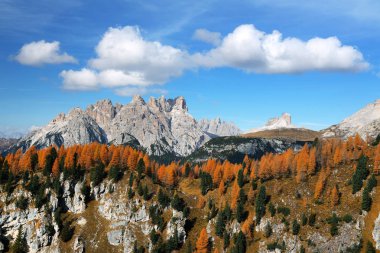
[(201, 50)]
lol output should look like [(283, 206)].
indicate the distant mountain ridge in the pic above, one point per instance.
[(284, 121), (365, 122), (161, 126), (219, 127)]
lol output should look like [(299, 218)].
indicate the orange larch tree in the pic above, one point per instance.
[(312, 161), (335, 196), (376, 165), (320, 184), (235, 194), (202, 242), (55, 169)]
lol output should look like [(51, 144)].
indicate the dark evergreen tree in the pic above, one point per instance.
[(140, 168), (372, 183), (34, 184), (40, 198), (177, 203), (370, 248), (240, 178), (260, 204), (97, 174), (268, 230), (312, 219), (20, 245), (154, 236), (227, 212), (254, 185), (206, 182), (366, 200), (67, 232), (130, 193), (242, 196), (333, 221), (49, 161), (240, 214), (303, 220), (220, 224), (272, 209), (187, 170), (226, 240), (115, 173), (163, 199), (140, 190), (361, 173), (146, 194), (131, 180), (22, 203), (240, 243), (296, 227)]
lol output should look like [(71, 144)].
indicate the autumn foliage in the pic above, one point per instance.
[(202, 242)]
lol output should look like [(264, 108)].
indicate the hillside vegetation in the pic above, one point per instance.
[(99, 198)]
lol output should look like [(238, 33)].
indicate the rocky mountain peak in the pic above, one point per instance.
[(284, 121), (179, 103), (137, 99), (366, 122)]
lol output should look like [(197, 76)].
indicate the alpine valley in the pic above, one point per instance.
[(149, 177)]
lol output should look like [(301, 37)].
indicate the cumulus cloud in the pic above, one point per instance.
[(130, 64), (252, 50), (125, 58), (84, 79), (41, 52), (213, 38), (150, 62)]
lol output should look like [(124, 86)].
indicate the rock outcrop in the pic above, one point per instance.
[(376, 232), (235, 148)]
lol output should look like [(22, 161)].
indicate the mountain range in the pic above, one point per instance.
[(161, 126), (165, 127)]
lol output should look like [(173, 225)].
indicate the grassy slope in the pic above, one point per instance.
[(289, 133)]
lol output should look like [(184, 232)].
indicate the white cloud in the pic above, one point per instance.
[(84, 79), (252, 50), (128, 63), (41, 52), (138, 90), (204, 35), (141, 61)]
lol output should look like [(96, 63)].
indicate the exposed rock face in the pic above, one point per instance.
[(103, 113), (74, 128), (73, 197), (235, 148), (284, 121), (34, 224), (219, 127), (365, 122), (376, 232), (177, 222), (162, 126)]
